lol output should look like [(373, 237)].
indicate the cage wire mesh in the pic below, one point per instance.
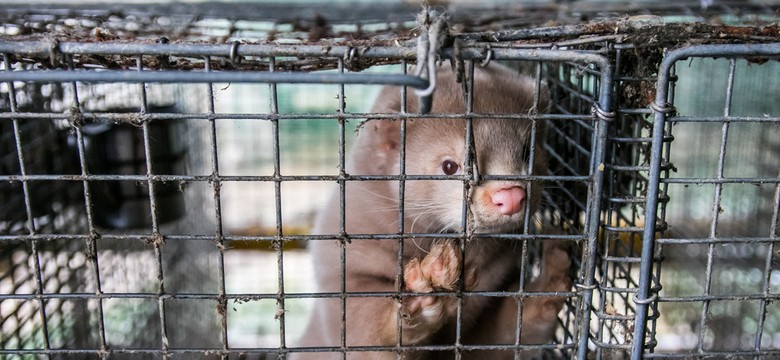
[(140, 218)]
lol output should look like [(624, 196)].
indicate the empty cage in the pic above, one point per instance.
[(163, 167)]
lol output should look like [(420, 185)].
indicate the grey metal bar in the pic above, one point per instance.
[(661, 111), (305, 295), (91, 242), (763, 354), (31, 228), (716, 208), (733, 119), (272, 296), (207, 178), (44, 48), (358, 237), (599, 308), (650, 218), (724, 180), (344, 239), (264, 351), (701, 298), (594, 199), (527, 206), (278, 242), (718, 240), (158, 239), (470, 178), (179, 76), (352, 236), (401, 210), (123, 117), (219, 234)]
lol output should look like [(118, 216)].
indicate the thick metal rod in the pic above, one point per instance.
[(594, 208), (45, 48), (180, 76)]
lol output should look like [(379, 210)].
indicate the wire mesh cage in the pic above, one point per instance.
[(163, 166)]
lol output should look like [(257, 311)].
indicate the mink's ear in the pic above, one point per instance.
[(376, 147), (385, 134)]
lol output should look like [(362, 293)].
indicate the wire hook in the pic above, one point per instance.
[(234, 58), (488, 57)]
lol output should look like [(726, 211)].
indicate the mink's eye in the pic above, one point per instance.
[(449, 167)]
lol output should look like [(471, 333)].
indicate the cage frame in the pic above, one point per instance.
[(233, 51), (663, 114), (645, 297)]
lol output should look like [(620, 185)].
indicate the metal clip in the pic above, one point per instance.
[(234, 58), (649, 300), (665, 108), (600, 114), (488, 57)]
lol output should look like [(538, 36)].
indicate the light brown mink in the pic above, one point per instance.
[(436, 146)]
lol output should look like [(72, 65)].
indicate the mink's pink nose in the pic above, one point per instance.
[(509, 201)]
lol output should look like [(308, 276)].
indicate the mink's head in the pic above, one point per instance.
[(438, 146)]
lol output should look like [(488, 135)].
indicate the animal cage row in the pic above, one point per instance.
[(159, 198)]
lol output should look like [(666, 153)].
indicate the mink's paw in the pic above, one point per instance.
[(556, 264), (439, 271)]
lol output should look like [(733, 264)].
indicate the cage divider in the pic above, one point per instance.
[(93, 237), (31, 228), (593, 209), (471, 177), (400, 285), (716, 207), (344, 242), (219, 235), (344, 239)]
